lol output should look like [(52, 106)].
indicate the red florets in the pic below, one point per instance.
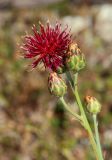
[(48, 46)]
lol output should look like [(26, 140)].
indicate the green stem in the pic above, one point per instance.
[(97, 135), (69, 110), (86, 123), (68, 74)]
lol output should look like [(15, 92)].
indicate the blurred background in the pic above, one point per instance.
[(33, 125)]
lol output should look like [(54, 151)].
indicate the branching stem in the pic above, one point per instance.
[(86, 124), (69, 110)]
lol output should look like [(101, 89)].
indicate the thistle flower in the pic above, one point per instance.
[(48, 46), (56, 85)]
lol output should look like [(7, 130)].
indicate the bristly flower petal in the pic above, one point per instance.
[(49, 45)]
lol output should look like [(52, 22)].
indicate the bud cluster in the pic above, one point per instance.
[(74, 60)]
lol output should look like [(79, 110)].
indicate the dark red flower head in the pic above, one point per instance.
[(49, 46)]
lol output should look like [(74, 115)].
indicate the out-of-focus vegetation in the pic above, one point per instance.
[(33, 126)]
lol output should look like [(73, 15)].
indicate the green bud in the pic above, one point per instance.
[(75, 60), (93, 106), (56, 85)]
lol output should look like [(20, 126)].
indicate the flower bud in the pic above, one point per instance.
[(56, 85), (75, 60), (93, 106)]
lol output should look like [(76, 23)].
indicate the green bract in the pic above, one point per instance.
[(61, 69), (76, 62)]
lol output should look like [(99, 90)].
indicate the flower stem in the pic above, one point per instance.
[(69, 110), (69, 77), (85, 121), (97, 136)]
